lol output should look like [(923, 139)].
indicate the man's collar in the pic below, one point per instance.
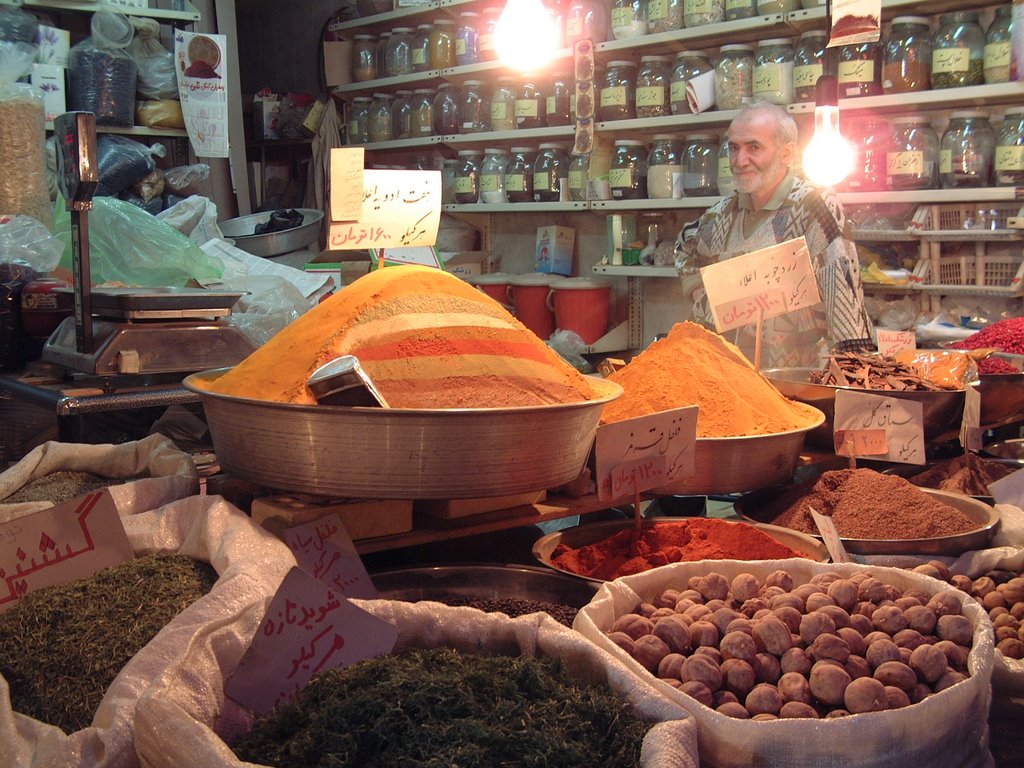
[(776, 200)]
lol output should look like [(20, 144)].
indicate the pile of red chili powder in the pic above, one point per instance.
[(631, 551), (1005, 335)]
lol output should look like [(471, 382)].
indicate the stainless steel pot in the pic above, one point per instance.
[(242, 230)]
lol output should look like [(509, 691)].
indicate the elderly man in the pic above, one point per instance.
[(770, 206)]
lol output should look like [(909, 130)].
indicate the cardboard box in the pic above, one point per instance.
[(53, 45), (453, 509), (48, 81), (363, 519), (337, 62), (554, 249)]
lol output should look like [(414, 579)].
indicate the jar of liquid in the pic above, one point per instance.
[(958, 51), (446, 110), (618, 91), (364, 58), (549, 170), (860, 70), (467, 39), (773, 71), (421, 119), (688, 65), (420, 53), (734, 76), (700, 165), (664, 16), (966, 150), (530, 106), (519, 175), (379, 125), (401, 115), (492, 176), (808, 64), (696, 13), (726, 182), (907, 56), (1009, 154), (629, 18), (912, 161), (627, 175), (664, 168), (503, 105), (559, 100), (398, 54), (586, 20), (998, 46), (579, 174), (467, 177), (474, 111), (740, 9), (442, 44), (359, 120), (652, 86)]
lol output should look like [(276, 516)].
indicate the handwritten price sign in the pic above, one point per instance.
[(890, 342), (324, 550), (860, 416), (764, 283)]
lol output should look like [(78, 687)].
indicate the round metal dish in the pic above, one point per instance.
[(591, 533), (738, 464), (1006, 449), (242, 230), (400, 453), (942, 411), (752, 508), (1002, 398)]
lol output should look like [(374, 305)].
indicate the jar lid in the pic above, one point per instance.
[(1014, 111), (628, 143), (472, 14), (495, 151), (664, 137), (911, 20), (968, 113), (449, 161), (698, 54), (473, 82), (383, 96), (552, 145), (737, 47), (579, 284), (909, 119), (363, 37), (402, 30), (814, 33), (665, 59), (465, 152), (700, 137), (423, 26), (444, 22), (775, 41), (423, 90), (523, 150), (362, 98), (494, 9), (622, 63), (534, 278)]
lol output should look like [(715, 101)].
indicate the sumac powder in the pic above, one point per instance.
[(1005, 335)]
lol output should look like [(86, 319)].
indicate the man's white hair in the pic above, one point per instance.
[(785, 125)]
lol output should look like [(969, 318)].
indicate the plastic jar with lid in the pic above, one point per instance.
[(998, 46), (579, 174), (726, 182), (696, 13), (398, 54), (519, 175), (664, 168), (859, 70), (912, 160), (1009, 154), (558, 108), (773, 71), (550, 168), (359, 120), (734, 76), (740, 9), (958, 51), (664, 16), (700, 165), (379, 122), (688, 65), (420, 50), (474, 112), (442, 44), (629, 18), (652, 86), (485, 39), (467, 38), (364, 58), (764, 7), (446, 110), (586, 20), (382, 53), (907, 55), (627, 175), (503, 105), (492, 176), (618, 91), (448, 167), (808, 64), (966, 150), (530, 106), (467, 177), (871, 138), (401, 115), (421, 113)]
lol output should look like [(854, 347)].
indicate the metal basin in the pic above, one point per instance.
[(1006, 449), (400, 453), (942, 411), (242, 230), (1002, 398)]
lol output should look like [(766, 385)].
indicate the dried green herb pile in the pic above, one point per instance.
[(514, 606), (441, 708), (60, 486), (61, 647)]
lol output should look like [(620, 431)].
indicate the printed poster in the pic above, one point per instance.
[(202, 87)]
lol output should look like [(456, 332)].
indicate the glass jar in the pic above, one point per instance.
[(912, 161), (420, 51), (421, 117), (550, 171), (618, 92), (486, 37), (808, 64), (579, 173), (764, 7), (442, 44), (467, 177), (467, 38), (740, 9), (474, 112), (664, 16), (448, 180), (364, 58), (398, 54), (558, 108), (726, 182), (1009, 154), (966, 150), (652, 86), (379, 125), (998, 46), (907, 56), (734, 75), (519, 175), (859, 70), (664, 168), (696, 13), (401, 115), (359, 120), (700, 165), (627, 175), (773, 71), (870, 137), (688, 65), (629, 18), (503, 105), (530, 106), (382, 53), (446, 110), (586, 20), (958, 51), (492, 176)]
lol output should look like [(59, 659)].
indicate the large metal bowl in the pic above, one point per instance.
[(242, 230), (400, 453), (942, 411), (1002, 398), (1006, 449)]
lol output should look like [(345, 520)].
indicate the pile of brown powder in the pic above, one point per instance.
[(967, 474)]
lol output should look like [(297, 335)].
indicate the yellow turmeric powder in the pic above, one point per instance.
[(691, 366)]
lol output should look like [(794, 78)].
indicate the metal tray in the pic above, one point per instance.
[(242, 231), (162, 298)]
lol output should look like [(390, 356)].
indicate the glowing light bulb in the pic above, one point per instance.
[(828, 158), (525, 36)]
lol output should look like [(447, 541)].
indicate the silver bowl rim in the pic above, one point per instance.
[(819, 420), (884, 392)]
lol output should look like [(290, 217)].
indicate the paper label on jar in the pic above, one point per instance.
[(486, 41), (650, 96), (353, 128), (527, 107), (574, 27), (622, 17), (499, 110), (724, 168), (951, 60), (677, 91), (419, 56), (613, 97), (657, 10), (806, 75), (621, 178), (460, 47), (733, 5), (576, 180), (488, 182), (946, 161), (904, 163), (856, 71), (464, 184), (698, 6), (997, 55), (550, 104), (659, 180), (515, 183), (542, 180), (1009, 158), (767, 78)]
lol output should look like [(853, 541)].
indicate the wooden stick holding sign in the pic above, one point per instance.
[(758, 339)]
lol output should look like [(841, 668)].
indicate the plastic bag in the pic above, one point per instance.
[(195, 216), (157, 78), (269, 305), (26, 241), (16, 26), (164, 113), (570, 346), (123, 162), (181, 177), (101, 75), (149, 186)]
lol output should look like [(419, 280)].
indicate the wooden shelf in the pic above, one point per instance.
[(189, 12), (138, 130)]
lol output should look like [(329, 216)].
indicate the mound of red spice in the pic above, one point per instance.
[(991, 365), (1005, 335)]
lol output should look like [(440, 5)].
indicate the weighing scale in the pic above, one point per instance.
[(130, 331)]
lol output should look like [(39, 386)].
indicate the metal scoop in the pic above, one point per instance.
[(343, 382)]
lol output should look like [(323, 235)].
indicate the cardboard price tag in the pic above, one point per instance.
[(860, 442), (347, 198), (902, 421), (324, 550), (829, 535), (890, 342), (971, 433), (1009, 489)]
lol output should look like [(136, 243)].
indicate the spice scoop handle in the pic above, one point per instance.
[(343, 381)]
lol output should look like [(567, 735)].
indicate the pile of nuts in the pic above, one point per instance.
[(773, 649)]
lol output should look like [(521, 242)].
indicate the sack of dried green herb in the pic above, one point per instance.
[(248, 565), (141, 475), (174, 726)]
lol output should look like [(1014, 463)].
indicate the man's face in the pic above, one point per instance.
[(759, 162)]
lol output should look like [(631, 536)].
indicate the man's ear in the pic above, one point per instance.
[(788, 153)]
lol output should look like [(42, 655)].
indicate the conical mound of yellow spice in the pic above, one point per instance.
[(694, 366)]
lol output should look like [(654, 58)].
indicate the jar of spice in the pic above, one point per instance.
[(359, 120), (629, 18), (998, 45), (664, 168), (726, 182), (912, 161), (618, 92), (467, 39), (688, 65), (401, 115), (492, 176), (530, 106), (958, 51), (486, 36), (503, 105), (773, 71), (808, 64), (550, 171), (697, 13), (740, 9), (700, 165), (664, 16), (448, 180), (420, 53), (398, 54), (442, 44), (421, 118), (627, 175), (364, 58), (652, 86), (860, 70), (467, 177), (870, 137), (1009, 154), (558, 109), (446, 110), (734, 75), (586, 20), (379, 125), (907, 56), (519, 175), (382, 53), (474, 112), (765, 7), (579, 172), (966, 150)]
